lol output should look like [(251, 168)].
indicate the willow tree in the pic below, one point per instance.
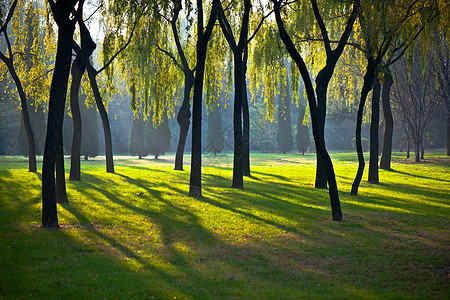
[(25, 60), (392, 19), (318, 107), (203, 36), (65, 14)]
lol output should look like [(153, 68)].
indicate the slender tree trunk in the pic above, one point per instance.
[(407, 149), (367, 86), (104, 117), (238, 180), (374, 126), (417, 150), (246, 120), (26, 116), (58, 93), (385, 162), (422, 149), (77, 73), (183, 119), (61, 194)]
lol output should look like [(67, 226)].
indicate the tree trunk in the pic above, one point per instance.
[(385, 162), (58, 93), (104, 117), (61, 194), (26, 117), (77, 73), (422, 149), (407, 149), (367, 86), (374, 126), (183, 119), (319, 140), (246, 121), (238, 180), (417, 151)]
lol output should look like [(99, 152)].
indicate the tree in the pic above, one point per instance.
[(203, 35), (157, 135), (321, 85), (9, 62), (284, 136), (416, 95), (137, 142), (63, 14), (385, 161), (302, 138)]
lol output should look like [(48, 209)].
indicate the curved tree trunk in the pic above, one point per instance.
[(104, 117), (77, 73), (367, 86), (58, 93), (61, 194), (183, 119), (385, 162), (318, 138), (374, 126)]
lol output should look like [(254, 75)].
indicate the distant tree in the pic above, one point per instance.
[(157, 136), (303, 139), (136, 143), (37, 120), (90, 138), (284, 135), (214, 137)]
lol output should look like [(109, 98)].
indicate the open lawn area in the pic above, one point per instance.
[(136, 234)]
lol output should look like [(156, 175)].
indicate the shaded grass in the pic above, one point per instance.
[(135, 234)]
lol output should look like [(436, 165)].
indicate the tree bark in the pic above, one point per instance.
[(374, 126), (77, 73), (104, 116), (246, 121), (367, 86), (183, 119), (417, 151), (385, 162), (238, 180), (58, 93), (61, 194)]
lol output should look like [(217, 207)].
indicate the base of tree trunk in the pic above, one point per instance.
[(195, 192)]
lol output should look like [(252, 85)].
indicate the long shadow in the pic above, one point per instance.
[(417, 176)]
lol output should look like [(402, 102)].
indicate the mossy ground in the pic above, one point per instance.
[(136, 234)]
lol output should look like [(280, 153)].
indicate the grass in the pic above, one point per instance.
[(135, 234)]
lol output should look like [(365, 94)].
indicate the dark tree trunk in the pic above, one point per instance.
[(417, 150), (77, 73), (58, 93), (385, 162), (407, 149), (422, 149), (61, 194), (104, 117), (367, 86), (183, 119), (320, 145), (322, 80), (238, 180), (195, 183), (26, 117), (246, 121), (374, 127)]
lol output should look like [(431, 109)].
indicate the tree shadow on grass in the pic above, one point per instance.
[(415, 175)]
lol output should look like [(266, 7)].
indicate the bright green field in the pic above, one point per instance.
[(136, 234)]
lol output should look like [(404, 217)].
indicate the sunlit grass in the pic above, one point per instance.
[(136, 234)]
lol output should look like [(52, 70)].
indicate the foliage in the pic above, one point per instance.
[(215, 137), (284, 135), (302, 137), (135, 234), (38, 125)]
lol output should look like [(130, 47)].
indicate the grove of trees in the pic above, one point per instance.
[(259, 63)]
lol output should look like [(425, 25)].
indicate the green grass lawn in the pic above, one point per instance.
[(136, 234)]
